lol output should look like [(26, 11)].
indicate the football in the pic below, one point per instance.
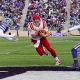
[(42, 31)]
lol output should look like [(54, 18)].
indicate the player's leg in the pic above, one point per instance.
[(45, 43), (45, 51), (74, 51), (38, 48), (12, 37), (3, 35)]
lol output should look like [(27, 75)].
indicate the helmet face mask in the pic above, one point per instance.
[(36, 23)]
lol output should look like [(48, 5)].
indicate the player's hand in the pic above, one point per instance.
[(42, 33), (40, 29)]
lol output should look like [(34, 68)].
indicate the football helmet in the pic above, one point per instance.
[(36, 20), (7, 22), (36, 17)]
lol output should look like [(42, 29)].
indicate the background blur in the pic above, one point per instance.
[(60, 15)]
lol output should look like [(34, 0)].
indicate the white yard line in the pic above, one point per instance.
[(46, 75)]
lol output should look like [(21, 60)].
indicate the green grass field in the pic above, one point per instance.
[(22, 53)]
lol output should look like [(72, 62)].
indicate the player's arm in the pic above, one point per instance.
[(47, 33), (36, 33), (44, 33), (74, 28)]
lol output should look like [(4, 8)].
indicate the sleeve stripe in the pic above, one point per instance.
[(44, 24), (31, 26)]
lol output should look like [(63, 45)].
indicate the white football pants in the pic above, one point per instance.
[(6, 36)]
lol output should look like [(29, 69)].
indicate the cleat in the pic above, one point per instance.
[(57, 63), (73, 68), (76, 67), (14, 39)]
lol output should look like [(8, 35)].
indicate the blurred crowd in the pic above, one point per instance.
[(53, 11), (74, 12), (13, 9)]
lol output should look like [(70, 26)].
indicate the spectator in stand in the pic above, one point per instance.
[(54, 8), (13, 8), (74, 12)]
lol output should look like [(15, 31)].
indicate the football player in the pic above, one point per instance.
[(4, 26), (39, 32), (75, 49)]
